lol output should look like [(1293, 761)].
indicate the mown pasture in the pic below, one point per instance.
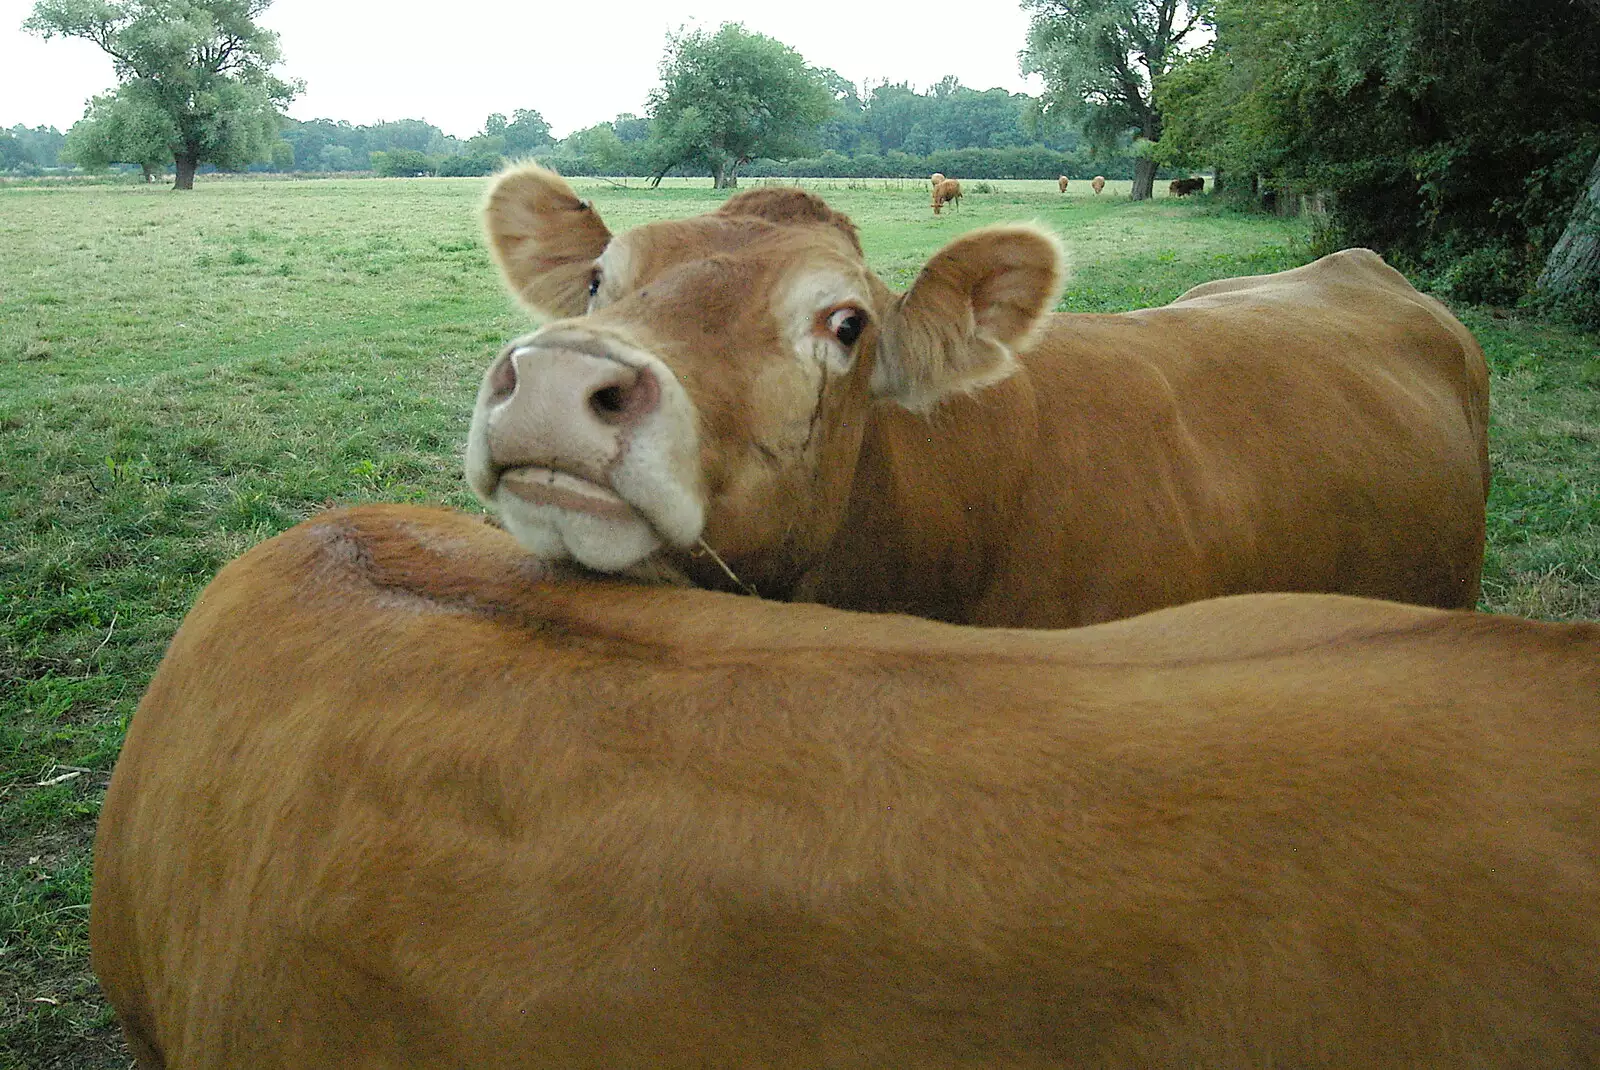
[(183, 375)]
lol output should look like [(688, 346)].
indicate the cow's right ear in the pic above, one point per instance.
[(544, 239), (975, 304)]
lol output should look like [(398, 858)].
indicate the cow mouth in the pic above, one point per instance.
[(563, 490)]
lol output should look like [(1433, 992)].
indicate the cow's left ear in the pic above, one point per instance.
[(975, 304), (544, 239)]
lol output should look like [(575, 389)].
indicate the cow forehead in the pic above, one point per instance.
[(760, 250)]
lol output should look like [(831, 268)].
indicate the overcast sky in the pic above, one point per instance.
[(577, 63)]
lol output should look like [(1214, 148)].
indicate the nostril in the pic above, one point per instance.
[(609, 403), (621, 404)]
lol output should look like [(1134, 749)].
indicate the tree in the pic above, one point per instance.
[(121, 128), (1454, 135), (12, 155), (730, 97), (1101, 59), (416, 135), (527, 133), (600, 147), (283, 156), (630, 128), (40, 146), (199, 69), (1573, 268)]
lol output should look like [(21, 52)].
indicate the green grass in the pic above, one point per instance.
[(184, 375)]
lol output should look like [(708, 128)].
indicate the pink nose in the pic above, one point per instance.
[(565, 409)]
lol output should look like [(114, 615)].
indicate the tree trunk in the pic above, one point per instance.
[(1144, 179), (723, 175), (185, 170), (1574, 263)]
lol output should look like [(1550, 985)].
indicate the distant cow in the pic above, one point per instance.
[(398, 796), (1182, 187), (936, 178), (1061, 183), (946, 192), (1097, 183), (738, 389)]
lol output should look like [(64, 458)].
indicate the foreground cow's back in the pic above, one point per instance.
[(1321, 429), (395, 800)]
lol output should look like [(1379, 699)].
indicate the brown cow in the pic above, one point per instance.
[(936, 178), (1061, 183), (394, 800), (1182, 187), (946, 192), (1097, 183), (739, 389)]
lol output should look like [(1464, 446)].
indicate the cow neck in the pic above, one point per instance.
[(930, 504)]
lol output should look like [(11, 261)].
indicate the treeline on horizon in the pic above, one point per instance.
[(892, 132)]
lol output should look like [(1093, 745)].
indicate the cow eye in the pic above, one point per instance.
[(594, 283), (846, 324)]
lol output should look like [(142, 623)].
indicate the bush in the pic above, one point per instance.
[(403, 163), (1026, 161), (1490, 275), (471, 165)]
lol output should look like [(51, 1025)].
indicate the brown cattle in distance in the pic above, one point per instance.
[(946, 192), (1097, 183), (398, 798), (935, 179), (1061, 183), (738, 389), (1182, 187)]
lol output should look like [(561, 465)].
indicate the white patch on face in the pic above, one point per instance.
[(657, 472), (616, 268), (803, 308)]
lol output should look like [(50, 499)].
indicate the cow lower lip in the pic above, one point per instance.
[(546, 486)]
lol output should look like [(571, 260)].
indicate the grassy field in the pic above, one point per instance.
[(182, 376)]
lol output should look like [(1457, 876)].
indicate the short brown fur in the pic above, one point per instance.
[(946, 192), (1321, 429), (398, 797)]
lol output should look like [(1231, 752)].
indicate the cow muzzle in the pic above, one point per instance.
[(586, 448)]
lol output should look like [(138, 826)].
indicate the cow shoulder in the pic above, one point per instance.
[(972, 308), (544, 239)]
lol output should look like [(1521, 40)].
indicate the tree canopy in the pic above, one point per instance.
[(196, 80), (120, 128), (729, 97), (527, 132), (23, 149), (1100, 60), (1455, 136)]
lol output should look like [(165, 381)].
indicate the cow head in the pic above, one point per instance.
[(704, 384)]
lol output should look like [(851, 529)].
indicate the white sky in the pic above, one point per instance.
[(577, 63)]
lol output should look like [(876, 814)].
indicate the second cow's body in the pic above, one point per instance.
[(741, 381)]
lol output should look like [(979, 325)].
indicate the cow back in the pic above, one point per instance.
[(398, 797)]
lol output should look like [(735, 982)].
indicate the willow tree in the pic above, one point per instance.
[(1573, 269), (195, 78), (731, 97), (1100, 60)]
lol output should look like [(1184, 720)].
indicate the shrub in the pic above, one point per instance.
[(403, 163), (471, 165)]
